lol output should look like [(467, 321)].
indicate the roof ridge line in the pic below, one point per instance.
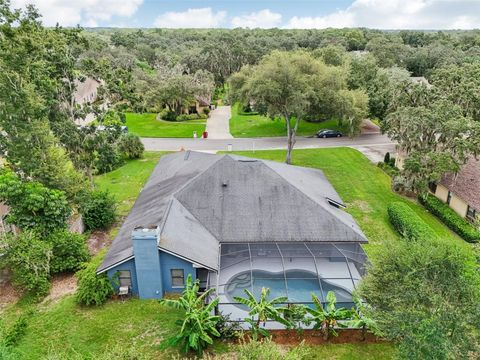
[(199, 174)]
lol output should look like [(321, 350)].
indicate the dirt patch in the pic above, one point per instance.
[(8, 295), (361, 205), (62, 284), (315, 337), (97, 241)]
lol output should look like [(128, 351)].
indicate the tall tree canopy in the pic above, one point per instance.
[(35, 69), (425, 295), (295, 86)]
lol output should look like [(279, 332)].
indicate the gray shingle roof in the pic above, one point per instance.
[(466, 183), (201, 200)]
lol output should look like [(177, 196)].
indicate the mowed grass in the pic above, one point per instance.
[(147, 125), (126, 182), (261, 126), (364, 188), (66, 331)]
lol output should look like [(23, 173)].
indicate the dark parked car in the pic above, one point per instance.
[(328, 133)]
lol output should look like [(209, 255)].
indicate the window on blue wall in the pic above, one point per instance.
[(178, 277), (125, 278)]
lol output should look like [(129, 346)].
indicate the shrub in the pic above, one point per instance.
[(386, 159), (28, 258), (108, 157), (227, 328), (168, 115), (450, 218), (98, 210), (186, 117), (408, 223), (32, 205), (93, 289), (392, 171), (206, 111), (69, 251), (130, 146)]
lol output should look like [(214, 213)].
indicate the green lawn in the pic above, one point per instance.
[(66, 331), (146, 125), (364, 188), (126, 182), (262, 126)]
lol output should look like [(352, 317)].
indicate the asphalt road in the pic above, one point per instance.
[(171, 144)]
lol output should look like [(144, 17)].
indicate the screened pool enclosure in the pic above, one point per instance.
[(294, 270)]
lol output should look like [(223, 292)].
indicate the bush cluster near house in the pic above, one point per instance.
[(93, 289), (33, 205), (99, 209), (408, 223), (32, 258), (450, 218)]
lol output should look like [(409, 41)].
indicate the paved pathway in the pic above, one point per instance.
[(218, 124)]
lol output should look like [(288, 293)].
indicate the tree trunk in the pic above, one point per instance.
[(290, 140), (291, 133)]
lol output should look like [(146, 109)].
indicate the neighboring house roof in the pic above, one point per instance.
[(466, 183), (203, 100), (86, 91), (202, 200), (420, 80)]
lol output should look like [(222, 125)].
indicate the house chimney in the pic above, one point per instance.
[(147, 262)]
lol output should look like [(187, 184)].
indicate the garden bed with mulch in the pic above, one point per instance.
[(316, 337)]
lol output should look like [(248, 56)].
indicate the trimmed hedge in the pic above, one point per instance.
[(186, 117), (450, 218), (408, 223)]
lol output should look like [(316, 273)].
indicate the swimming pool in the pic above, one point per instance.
[(296, 285)]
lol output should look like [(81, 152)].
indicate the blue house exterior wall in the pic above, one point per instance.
[(167, 262), (130, 266)]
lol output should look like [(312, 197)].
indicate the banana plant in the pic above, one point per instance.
[(262, 310), (359, 320), (327, 318), (198, 326)]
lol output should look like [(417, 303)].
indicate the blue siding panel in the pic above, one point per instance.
[(130, 266), (169, 262)]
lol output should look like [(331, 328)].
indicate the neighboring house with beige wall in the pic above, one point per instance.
[(461, 191)]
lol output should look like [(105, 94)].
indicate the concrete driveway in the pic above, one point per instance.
[(218, 124)]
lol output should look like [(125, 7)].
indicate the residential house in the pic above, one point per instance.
[(86, 92), (237, 223), (199, 105), (461, 191)]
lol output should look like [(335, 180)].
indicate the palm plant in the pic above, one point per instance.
[(262, 310), (359, 320), (327, 318), (198, 326)]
